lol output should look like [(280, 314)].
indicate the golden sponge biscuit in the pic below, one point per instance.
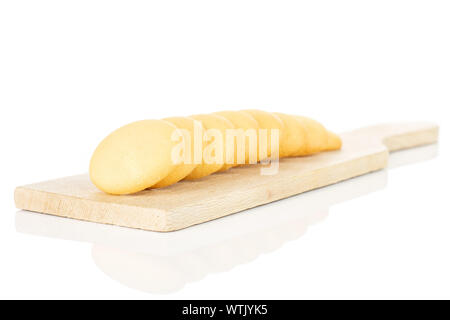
[(243, 121), (294, 136), (182, 169), (334, 142), (316, 136), (211, 122), (134, 157), (267, 121)]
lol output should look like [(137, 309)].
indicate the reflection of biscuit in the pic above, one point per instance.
[(210, 122), (134, 157), (267, 121), (245, 121), (183, 169), (294, 136)]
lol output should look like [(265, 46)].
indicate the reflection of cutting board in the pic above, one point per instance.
[(191, 202)]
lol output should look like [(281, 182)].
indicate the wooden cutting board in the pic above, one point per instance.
[(192, 202)]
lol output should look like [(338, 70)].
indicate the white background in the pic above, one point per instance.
[(73, 71)]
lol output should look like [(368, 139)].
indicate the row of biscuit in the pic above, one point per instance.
[(139, 155)]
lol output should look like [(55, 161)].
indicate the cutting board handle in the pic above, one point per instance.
[(399, 136)]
